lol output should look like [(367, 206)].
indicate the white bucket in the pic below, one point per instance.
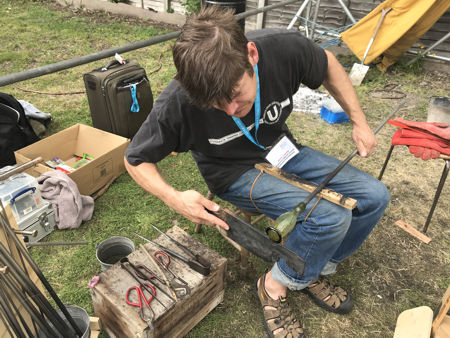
[(112, 250)]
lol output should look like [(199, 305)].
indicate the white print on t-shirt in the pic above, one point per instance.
[(271, 115)]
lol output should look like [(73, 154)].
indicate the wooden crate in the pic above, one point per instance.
[(122, 320)]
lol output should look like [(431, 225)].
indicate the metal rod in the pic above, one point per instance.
[(24, 253), (33, 291), (12, 320), (298, 14), (349, 157), (20, 168), (346, 10), (33, 233), (385, 162), (437, 57), (438, 193), (56, 243), (445, 37), (81, 60), (4, 294), (34, 314)]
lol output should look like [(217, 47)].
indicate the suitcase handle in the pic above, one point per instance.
[(136, 80), (112, 63)]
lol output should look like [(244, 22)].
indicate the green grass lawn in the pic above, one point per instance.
[(392, 271)]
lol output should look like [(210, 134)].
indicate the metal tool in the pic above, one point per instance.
[(197, 257), (194, 265), (33, 233), (284, 224), (148, 318), (164, 261), (358, 71), (150, 290), (138, 271), (257, 242), (180, 290)]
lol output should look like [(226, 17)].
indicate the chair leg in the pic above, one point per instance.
[(438, 193), (385, 162), (244, 261)]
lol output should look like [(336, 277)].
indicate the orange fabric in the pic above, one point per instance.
[(402, 26)]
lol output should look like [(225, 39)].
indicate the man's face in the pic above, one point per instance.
[(243, 97)]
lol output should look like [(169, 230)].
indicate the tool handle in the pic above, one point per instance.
[(383, 14)]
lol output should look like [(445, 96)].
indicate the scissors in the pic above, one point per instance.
[(147, 316), (164, 260)]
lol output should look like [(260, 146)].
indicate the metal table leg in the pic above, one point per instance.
[(385, 162), (438, 193)]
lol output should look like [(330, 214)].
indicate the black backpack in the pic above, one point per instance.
[(15, 129)]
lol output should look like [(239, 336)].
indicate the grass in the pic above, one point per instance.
[(391, 272)]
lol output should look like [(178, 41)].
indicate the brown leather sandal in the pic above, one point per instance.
[(278, 315), (329, 296)]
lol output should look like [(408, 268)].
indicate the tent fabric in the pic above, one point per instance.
[(404, 24), (391, 55)]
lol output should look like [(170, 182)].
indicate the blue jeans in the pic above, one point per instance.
[(331, 232)]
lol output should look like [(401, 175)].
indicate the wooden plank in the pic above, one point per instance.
[(328, 194), (442, 314), (413, 231), (95, 324), (122, 320), (414, 322)]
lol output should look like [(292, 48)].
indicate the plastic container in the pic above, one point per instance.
[(112, 250), (22, 193), (332, 112)]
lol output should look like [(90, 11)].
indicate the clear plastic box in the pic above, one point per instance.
[(21, 192)]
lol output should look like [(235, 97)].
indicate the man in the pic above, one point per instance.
[(228, 105)]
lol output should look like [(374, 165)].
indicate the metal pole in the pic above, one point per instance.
[(34, 292), (430, 48), (346, 10), (20, 168), (298, 14), (78, 61), (35, 315)]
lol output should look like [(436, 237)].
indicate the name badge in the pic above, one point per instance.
[(282, 151)]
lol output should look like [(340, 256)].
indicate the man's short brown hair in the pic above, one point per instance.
[(211, 56)]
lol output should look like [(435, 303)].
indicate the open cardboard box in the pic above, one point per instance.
[(107, 149)]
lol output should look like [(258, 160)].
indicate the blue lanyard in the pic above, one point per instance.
[(242, 126)]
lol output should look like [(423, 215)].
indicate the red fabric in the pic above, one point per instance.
[(424, 153), (438, 144), (435, 128)]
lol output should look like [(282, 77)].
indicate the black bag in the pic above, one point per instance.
[(15, 129), (120, 97)]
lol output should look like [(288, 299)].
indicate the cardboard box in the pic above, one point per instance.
[(107, 149)]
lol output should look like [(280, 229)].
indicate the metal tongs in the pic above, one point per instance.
[(198, 263)]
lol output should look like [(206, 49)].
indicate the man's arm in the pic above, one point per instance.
[(191, 204), (339, 86)]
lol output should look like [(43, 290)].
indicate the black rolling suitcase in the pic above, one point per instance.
[(119, 96)]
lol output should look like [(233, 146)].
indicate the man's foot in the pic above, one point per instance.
[(278, 318), (329, 296)]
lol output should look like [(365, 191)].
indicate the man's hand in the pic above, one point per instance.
[(364, 139), (192, 205)]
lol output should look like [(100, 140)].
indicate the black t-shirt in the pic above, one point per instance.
[(222, 152)]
